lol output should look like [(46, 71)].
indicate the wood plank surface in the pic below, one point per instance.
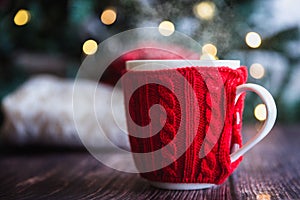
[(269, 171), (77, 175)]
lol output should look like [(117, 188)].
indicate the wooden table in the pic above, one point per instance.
[(269, 171)]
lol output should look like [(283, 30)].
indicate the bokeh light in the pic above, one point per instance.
[(263, 197), (205, 10), (166, 28), (253, 39), (22, 17), (108, 16), (209, 49), (90, 47), (260, 112), (207, 56), (257, 71)]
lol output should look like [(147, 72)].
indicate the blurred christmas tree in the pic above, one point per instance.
[(47, 36)]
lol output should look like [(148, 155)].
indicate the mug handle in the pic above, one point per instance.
[(269, 122)]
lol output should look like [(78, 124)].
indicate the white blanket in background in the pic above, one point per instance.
[(40, 112)]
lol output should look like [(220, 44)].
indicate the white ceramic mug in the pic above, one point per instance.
[(157, 66)]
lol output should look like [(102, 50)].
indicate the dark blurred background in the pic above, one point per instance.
[(51, 37)]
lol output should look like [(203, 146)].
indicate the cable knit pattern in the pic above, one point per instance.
[(215, 167)]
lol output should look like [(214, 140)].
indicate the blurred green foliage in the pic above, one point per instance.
[(60, 27)]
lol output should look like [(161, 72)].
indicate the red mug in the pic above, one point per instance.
[(184, 120)]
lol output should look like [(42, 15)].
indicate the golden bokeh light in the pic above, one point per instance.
[(108, 16), (90, 47), (205, 10), (209, 49), (22, 17), (257, 71), (253, 39), (166, 28), (263, 197), (260, 112), (207, 56)]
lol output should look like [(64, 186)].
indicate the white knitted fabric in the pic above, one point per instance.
[(40, 112)]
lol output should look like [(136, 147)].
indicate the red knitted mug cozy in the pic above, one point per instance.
[(117, 68), (216, 166)]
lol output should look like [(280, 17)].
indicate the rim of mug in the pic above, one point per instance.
[(138, 65)]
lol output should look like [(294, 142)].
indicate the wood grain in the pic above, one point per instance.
[(269, 171), (77, 175)]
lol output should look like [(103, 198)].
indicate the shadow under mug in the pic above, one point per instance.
[(184, 120)]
